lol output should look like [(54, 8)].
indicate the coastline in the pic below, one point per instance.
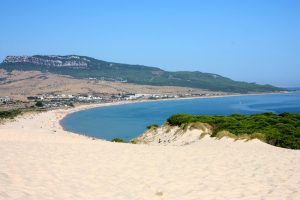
[(96, 105), (39, 159), (55, 116)]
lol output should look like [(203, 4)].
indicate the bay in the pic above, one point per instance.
[(127, 121)]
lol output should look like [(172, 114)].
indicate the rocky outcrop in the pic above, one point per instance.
[(53, 61)]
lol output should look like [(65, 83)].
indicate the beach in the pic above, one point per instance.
[(40, 160)]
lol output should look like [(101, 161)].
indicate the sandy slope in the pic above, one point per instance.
[(20, 84), (41, 161)]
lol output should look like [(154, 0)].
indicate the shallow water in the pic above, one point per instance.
[(130, 120)]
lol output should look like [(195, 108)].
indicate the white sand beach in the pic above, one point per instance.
[(39, 160)]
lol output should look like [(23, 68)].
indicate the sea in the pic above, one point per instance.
[(127, 121)]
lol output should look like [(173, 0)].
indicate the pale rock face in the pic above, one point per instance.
[(56, 61)]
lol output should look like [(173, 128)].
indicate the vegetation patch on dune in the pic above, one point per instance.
[(200, 126), (152, 126), (9, 114), (282, 130), (13, 113), (120, 140)]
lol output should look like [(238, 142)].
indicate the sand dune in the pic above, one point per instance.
[(41, 161)]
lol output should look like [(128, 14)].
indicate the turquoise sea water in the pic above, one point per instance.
[(130, 120)]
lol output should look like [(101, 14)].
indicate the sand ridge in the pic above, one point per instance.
[(39, 160)]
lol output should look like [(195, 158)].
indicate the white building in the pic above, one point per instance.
[(4, 99)]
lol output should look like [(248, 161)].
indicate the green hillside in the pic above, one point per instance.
[(86, 67)]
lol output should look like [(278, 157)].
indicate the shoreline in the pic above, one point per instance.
[(83, 107), (55, 116), (61, 113), (40, 159)]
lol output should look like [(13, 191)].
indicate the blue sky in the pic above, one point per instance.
[(250, 40)]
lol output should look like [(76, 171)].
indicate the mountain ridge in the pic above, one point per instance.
[(83, 67)]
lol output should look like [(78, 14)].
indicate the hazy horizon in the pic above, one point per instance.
[(251, 41)]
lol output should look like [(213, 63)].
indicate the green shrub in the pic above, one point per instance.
[(71, 105), (281, 130), (152, 126), (118, 140), (9, 114), (39, 104)]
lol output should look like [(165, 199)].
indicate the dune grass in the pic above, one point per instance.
[(120, 140), (200, 126), (282, 130), (152, 126)]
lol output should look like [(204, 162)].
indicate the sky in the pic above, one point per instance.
[(248, 40)]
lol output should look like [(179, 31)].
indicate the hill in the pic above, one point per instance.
[(82, 67), (21, 84)]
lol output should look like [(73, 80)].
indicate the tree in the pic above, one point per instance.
[(39, 104)]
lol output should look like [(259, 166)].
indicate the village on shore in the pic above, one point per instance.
[(52, 100)]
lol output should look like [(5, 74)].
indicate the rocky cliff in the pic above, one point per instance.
[(54, 61)]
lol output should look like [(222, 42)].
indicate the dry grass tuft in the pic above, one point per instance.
[(159, 193), (246, 137), (203, 134), (200, 126), (222, 134)]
